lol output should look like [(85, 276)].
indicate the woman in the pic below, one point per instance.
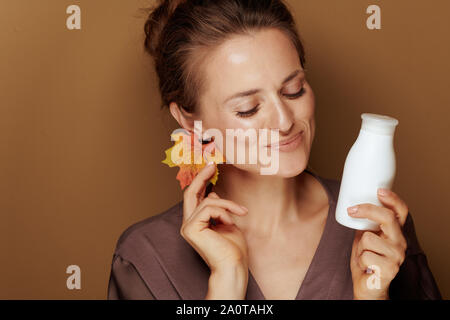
[(240, 64)]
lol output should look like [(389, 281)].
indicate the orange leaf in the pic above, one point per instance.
[(188, 171)]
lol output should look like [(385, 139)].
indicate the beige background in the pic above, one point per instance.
[(82, 137)]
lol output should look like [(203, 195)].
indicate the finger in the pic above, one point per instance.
[(371, 242), (196, 190), (370, 261), (232, 206), (389, 224), (392, 201), (201, 219)]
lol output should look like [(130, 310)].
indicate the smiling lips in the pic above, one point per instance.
[(289, 144)]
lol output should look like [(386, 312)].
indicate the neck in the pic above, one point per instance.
[(273, 202)]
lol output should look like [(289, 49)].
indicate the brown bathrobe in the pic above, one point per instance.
[(153, 261)]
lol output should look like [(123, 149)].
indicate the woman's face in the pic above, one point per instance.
[(257, 82)]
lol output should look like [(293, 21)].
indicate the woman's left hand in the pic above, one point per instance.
[(377, 255)]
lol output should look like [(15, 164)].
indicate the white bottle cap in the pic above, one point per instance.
[(379, 124)]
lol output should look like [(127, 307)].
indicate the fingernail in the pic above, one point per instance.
[(383, 192), (210, 163), (352, 210), (369, 270), (244, 208)]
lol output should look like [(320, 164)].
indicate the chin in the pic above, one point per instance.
[(293, 163), (292, 167), (290, 164)]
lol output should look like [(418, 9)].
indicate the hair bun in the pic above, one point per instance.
[(157, 19)]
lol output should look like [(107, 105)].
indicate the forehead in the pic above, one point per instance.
[(260, 60)]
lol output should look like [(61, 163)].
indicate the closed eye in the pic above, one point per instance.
[(296, 95), (249, 113)]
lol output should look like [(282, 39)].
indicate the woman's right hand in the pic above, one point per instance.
[(222, 246)]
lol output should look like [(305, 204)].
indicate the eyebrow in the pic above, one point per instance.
[(253, 91)]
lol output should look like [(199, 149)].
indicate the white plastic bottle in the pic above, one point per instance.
[(370, 165)]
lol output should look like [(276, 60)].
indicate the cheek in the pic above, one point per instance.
[(230, 121)]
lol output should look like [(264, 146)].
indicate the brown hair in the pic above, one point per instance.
[(179, 32)]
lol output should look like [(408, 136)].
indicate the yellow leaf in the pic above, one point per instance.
[(188, 171)]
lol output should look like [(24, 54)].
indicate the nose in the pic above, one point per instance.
[(282, 117)]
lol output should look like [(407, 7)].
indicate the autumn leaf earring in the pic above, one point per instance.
[(191, 154)]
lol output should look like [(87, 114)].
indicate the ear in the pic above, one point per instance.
[(184, 118)]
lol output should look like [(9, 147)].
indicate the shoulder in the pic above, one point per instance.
[(147, 257), (154, 250), (142, 234)]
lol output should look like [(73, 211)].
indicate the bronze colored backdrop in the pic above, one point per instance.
[(82, 137)]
